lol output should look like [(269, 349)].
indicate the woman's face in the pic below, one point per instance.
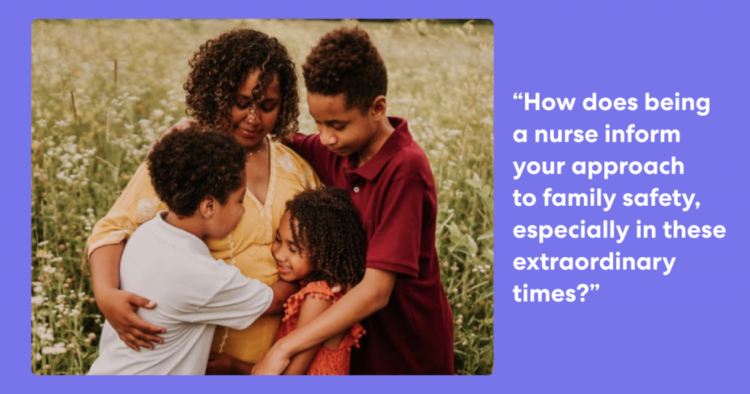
[(251, 122)]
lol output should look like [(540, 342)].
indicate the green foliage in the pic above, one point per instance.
[(90, 133)]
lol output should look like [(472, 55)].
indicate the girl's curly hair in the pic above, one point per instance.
[(220, 67), (329, 231)]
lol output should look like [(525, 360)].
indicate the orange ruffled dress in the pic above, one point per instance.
[(327, 361)]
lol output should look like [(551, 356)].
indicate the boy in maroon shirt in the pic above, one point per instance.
[(406, 313)]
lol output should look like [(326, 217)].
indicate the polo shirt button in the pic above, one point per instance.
[(356, 189)]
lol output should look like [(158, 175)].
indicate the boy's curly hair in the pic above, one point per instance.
[(329, 231), (346, 61), (188, 166), (220, 67)]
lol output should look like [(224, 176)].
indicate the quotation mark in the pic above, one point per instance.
[(517, 96)]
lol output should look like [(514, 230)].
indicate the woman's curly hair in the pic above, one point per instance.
[(220, 67), (189, 166), (346, 61), (326, 226)]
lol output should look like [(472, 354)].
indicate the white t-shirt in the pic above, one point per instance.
[(193, 293)]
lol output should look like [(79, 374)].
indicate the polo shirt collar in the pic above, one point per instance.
[(178, 238), (400, 138)]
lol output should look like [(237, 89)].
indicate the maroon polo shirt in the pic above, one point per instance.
[(395, 195)]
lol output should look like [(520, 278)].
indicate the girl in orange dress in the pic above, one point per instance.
[(320, 242)]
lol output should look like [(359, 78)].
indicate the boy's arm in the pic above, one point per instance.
[(368, 297), (320, 158), (311, 308), (281, 292), (223, 364)]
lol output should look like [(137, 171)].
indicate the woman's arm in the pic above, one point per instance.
[(119, 306), (368, 297), (310, 309)]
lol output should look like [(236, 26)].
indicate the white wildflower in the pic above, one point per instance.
[(37, 300), (45, 334)]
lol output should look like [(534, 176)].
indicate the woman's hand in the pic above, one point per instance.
[(274, 362), (119, 308), (220, 364), (179, 126)]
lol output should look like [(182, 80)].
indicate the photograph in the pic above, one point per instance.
[(262, 197)]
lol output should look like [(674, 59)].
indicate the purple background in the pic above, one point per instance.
[(642, 331)]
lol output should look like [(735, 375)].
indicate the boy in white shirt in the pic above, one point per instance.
[(201, 178)]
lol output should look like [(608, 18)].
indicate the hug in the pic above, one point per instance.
[(243, 246)]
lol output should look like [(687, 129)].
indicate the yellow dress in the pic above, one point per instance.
[(248, 246)]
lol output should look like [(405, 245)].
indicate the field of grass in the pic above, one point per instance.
[(103, 91)]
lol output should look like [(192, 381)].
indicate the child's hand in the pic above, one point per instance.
[(273, 363), (337, 288), (220, 364), (119, 308)]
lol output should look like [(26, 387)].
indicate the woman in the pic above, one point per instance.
[(242, 82)]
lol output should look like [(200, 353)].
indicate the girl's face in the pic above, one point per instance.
[(291, 260), (251, 122)]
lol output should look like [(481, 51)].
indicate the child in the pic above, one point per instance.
[(408, 319), (321, 243), (201, 178)]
